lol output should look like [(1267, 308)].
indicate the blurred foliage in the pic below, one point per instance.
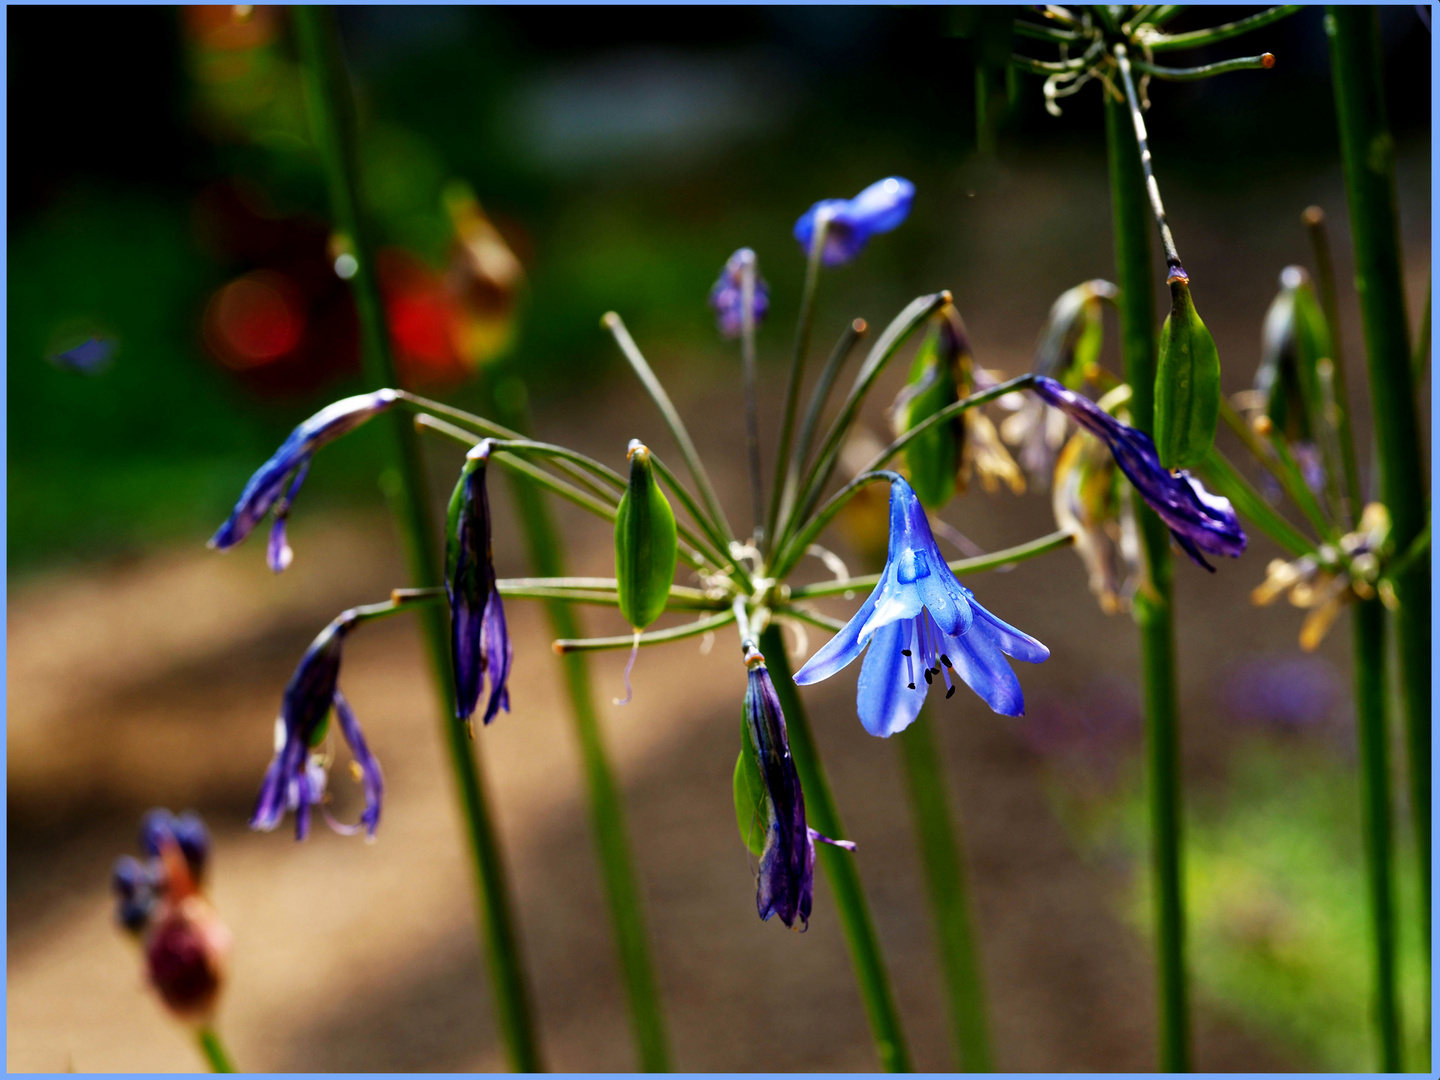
[(1279, 930)]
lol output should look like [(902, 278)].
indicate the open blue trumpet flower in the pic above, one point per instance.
[(786, 879), (296, 777), (1198, 520), (920, 622), (880, 208), (263, 492)]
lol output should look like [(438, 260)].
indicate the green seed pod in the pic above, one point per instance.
[(1187, 382), (750, 813), (940, 376), (645, 547)]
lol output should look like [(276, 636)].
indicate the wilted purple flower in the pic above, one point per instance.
[(1198, 520), (787, 862), (263, 492), (296, 777), (880, 208), (479, 639), (920, 614), (726, 296)]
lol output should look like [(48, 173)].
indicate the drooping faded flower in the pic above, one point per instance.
[(1069, 343), (1324, 582), (263, 492), (1198, 520), (941, 459), (1097, 512), (479, 639), (297, 775), (727, 294), (918, 623), (881, 207), (785, 882)]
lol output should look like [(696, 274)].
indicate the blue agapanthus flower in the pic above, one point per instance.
[(726, 296), (479, 639), (920, 622), (263, 492), (296, 777), (1198, 520), (785, 883), (880, 208)]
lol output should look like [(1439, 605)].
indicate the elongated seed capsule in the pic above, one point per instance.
[(645, 546), (1187, 382)]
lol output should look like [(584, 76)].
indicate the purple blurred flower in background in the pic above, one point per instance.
[(726, 297), (787, 863), (296, 777), (881, 207), (1199, 521), (1088, 731), (88, 358), (1288, 692), (920, 615), (479, 639), (263, 492)]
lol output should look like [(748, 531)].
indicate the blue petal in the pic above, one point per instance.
[(883, 698), (945, 599), (980, 663), (842, 649), (495, 639), (883, 205), (1012, 642)]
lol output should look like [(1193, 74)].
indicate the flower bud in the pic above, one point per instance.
[(185, 956), (1187, 382), (645, 545)]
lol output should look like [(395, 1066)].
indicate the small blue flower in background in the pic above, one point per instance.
[(158, 827), (785, 884), (296, 777), (921, 622), (1199, 521), (479, 639), (263, 492), (880, 208), (88, 358), (726, 294)]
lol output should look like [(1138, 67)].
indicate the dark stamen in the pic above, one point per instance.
[(904, 652), (946, 660), (949, 693), (929, 676), (912, 686)]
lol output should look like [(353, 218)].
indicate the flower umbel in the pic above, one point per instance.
[(297, 774), (921, 622), (881, 207), (479, 640), (263, 492), (727, 294), (786, 878), (1198, 520)]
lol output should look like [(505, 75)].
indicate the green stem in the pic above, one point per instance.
[(1226, 480), (214, 1051), (1152, 606), (942, 857), (650, 637), (839, 866), (607, 809), (1263, 62), (1367, 152), (328, 95), (1196, 38), (1373, 734)]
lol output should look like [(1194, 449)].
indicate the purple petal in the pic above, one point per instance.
[(370, 775)]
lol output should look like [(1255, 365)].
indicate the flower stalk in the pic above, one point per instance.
[(331, 110), (1153, 612), (213, 1050)]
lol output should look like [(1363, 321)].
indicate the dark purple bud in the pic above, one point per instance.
[(727, 295), (479, 639), (185, 955), (1198, 520), (293, 458), (880, 208)]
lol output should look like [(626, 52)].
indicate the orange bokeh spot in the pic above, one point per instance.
[(254, 320)]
